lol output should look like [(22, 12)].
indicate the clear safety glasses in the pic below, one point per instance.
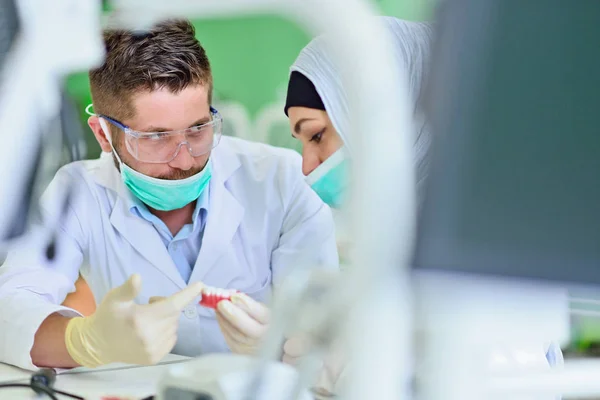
[(163, 147)]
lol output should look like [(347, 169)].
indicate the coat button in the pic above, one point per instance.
[(190, 311)]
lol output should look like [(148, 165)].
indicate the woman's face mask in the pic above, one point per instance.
[(320, 141), (330, 179)]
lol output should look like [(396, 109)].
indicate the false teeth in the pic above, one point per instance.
[(212, 296)]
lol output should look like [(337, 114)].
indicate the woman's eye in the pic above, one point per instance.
[(317, 137)]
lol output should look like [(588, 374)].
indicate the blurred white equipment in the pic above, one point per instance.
[(226, 377), (54, 38)]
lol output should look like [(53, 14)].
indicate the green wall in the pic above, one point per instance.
[(250, 58)]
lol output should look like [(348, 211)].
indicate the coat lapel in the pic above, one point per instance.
[(145, 240), (224, 216), (138, 232)]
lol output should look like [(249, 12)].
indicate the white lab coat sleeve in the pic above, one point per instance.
[(31, 287), (307, 237)]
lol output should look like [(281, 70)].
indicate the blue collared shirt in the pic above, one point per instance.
[(185, 246)]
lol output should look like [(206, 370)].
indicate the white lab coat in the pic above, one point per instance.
[(263, 220)]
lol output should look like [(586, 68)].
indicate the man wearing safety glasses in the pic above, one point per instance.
[(171, 207)]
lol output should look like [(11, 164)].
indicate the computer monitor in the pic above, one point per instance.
[(514, 104)]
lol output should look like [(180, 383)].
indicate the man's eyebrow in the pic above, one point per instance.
[(298, 124), (201, 121)]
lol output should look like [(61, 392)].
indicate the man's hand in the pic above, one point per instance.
[(122, 331), (243, 322)]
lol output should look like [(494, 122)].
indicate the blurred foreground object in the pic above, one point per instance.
[(35, 117)]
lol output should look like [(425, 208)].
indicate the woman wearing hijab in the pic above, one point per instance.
[(318, 112), (317, 109)]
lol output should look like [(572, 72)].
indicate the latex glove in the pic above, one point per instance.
[(122, 331), (243, 322)]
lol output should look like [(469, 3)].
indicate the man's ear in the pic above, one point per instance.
[(101, 136)]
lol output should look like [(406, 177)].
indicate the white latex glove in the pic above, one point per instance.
[(243, 322), (122, 331)]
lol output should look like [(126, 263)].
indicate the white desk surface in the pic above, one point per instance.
[(114, 380)]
